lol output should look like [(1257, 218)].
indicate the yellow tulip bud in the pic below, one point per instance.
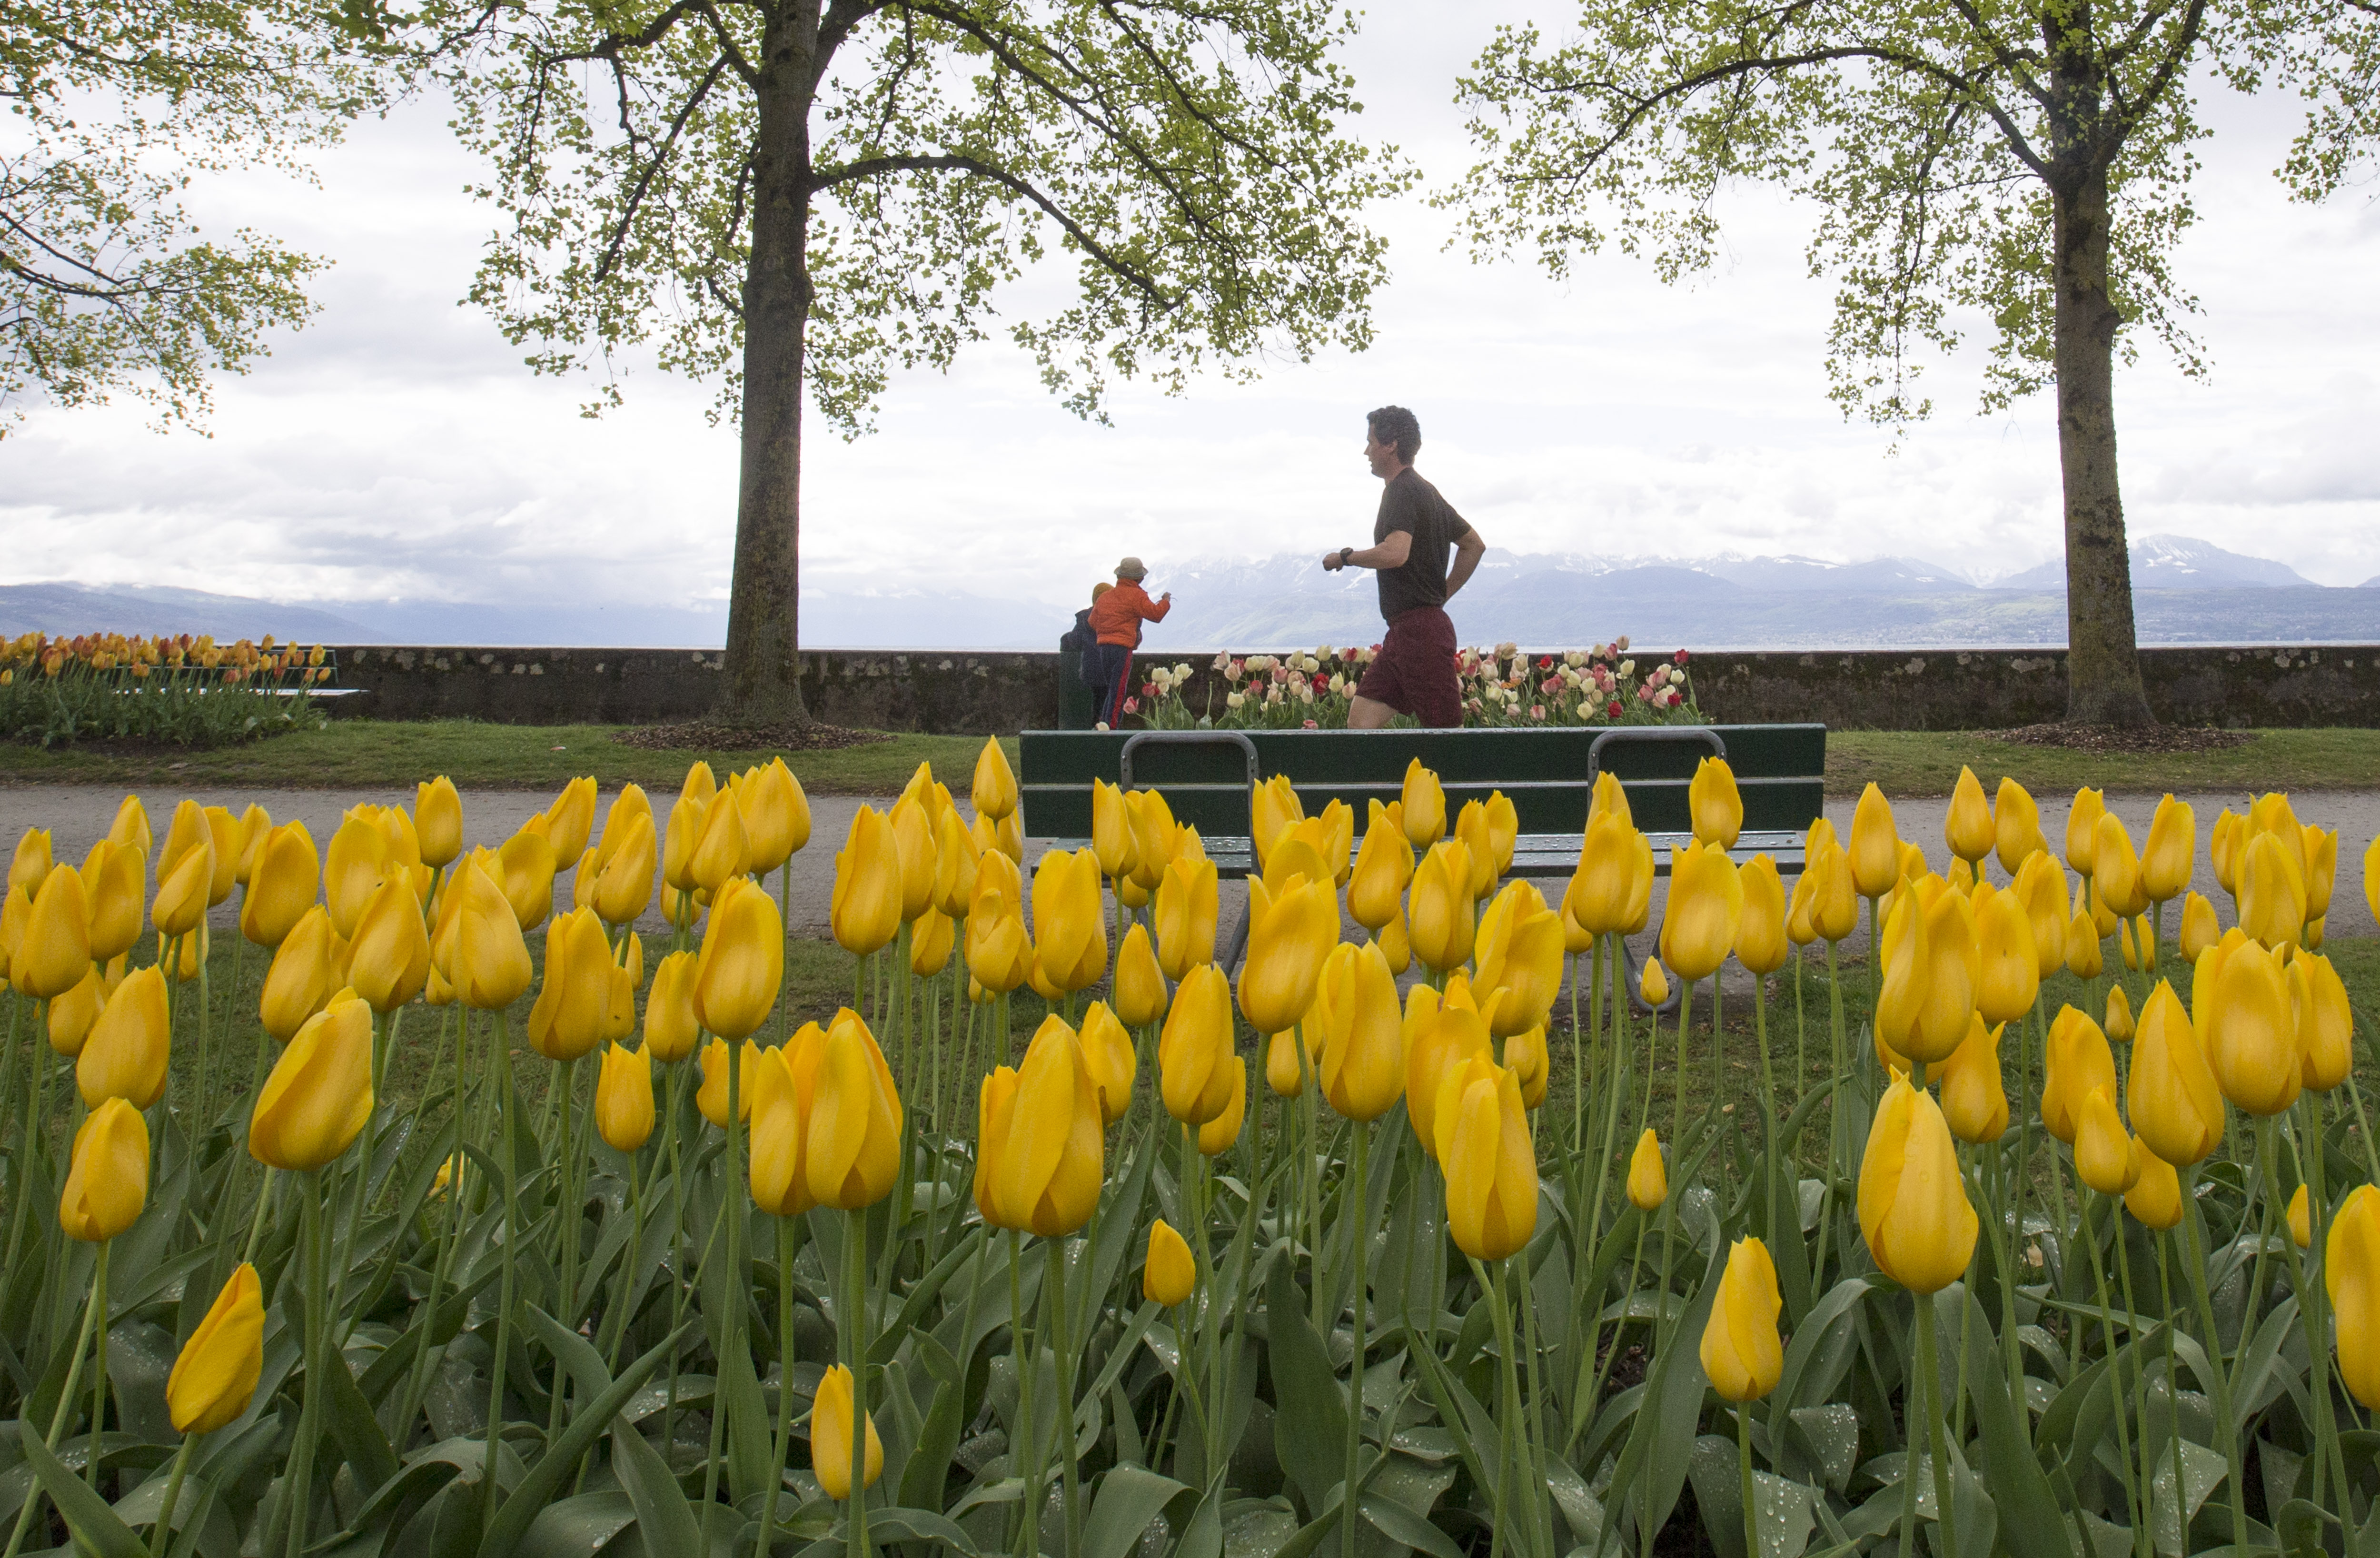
[(1742, 1352), (570, 821), (995, 1113), (438, 820), (1363, 1073), (1048, 1164), (1069, 919), (1760, 941), (130, 1046), (2249, 1031), (1524, 1056), (1974, 1104), (624, 1098), (853, 1153), (2325, 1021), (301, 982), (1156, 836), (1114, 1065), (671, 1030), (1273, 810), (1288, 938), (320, 1095), (784, 1092), (833, 1438), (624, 884), (711, 1096), (2115, 870), (1139, 981), (282, 885), (2154, 1200), (73, 1015), (107, 1177), (2103, 1151), (1111, 839), (1705, 910), (1441, 1036), (1653, 985), (1648, 1175), (866, 908), (2083, 829), (1439, 916), (1519, 951), (2009, 964), (492, 965), (1912, 1206), (1714, 803), (2176, 1105), (1196, 1051), (2272, 890), (999, 956), (1602, 887), (388, 962), (1395, 945), (1875, 849), (114, 883), (182, 890), (359, 856), (568, 1020), (32, 863), (1185, 912), (214, 1378), (1170, 1273), (2016, 827), (2350, 1270), (2119, 1022), (1423, 805), (2199, 927), (2040, 887), (1967, 827), (1484, 1146), (994, 787), (524, 868), (957, 857), (2301, 1220), (931, 942), (2085, 956), (913, 835), (53, 954), (2170, 853), (2077, 1061), (742, 962)]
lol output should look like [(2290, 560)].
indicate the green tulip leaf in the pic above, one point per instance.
[(587, 1424), (95, 1526)]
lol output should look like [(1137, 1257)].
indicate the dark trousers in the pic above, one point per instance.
[(1107, 667)]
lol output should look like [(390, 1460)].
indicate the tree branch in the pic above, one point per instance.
[(652, 168)]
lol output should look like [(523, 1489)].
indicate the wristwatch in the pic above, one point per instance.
[(1345, 554)]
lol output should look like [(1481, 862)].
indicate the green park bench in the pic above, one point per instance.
[(1208, 776)]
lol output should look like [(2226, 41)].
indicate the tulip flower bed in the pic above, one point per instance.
[(1500, 687), (172, 691), (514, 1237)]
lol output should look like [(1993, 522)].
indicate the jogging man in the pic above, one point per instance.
[(1414, 674)]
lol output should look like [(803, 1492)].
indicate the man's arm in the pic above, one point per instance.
[(1468, 549), (1389, 554)]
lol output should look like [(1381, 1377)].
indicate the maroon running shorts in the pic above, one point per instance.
[(1414, 673)]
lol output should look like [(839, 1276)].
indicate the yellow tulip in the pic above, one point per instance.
[(1216, 1136), (834, 1436), (2273, 814), (524, 868), (1471, 828), (53, 954), (784, 1094), (281, 885), (1834, 896), (73, 1015), (320, 1095), (776, 816), (1185, 912), (1441, 1037), (186, 831), (1907, 961), (182, 890), (2171, 852), (570, 821), (1519, 953), (1008, 834), (1968, 826), (1524, 1055), (853, 1151), (1196, 1051), (624, 1098), (994, 787), (957, 855), (742, 962), (1288, 938), (1874, 850), (2325, 1021), (930, 941), (490, 958), (913, 835), (1714, 804), (1609, 799), (681, 836), (2016, 826), (2176, 1105), (1295, 853), (130, 1046), (1171, 1272), (1602, 887), (358, 856), (114, 879), (2154, 1200), (1070, 926), (2103, 1151), (1111, 837), (624, 884), (2350, 1270), (2040, 889), (2272, 890), (1114, 1065), (1422, 803), (1740, 1350), (1273, 810), (721, 849), (999, 953), (388, 961), (2083, 829), (568, 1020), (301, 979), (711, 1096), (2301, 1220), (2250, 1033), (2085, 956), (671, 1030), (1050, 1146), (181, 958), (1364, 1072), (1482, 1131), (438, 820), (1648, 1175), (1440, 914), (1653, 985), (2199, 927), (2077, 1060), (2225, 842), (1156, 836), (214, 1376), (1760, 943), (32, 863), (2009, 973), (1139, 981), (1974, 1105), (2115, 869), (107, 1177), (1912, 1209)]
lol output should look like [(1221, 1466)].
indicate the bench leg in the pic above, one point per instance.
[(1667, 1008)]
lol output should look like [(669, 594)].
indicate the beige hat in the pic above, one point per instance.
[(1131, 567)]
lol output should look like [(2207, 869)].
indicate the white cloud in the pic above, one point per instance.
[(397, 446)]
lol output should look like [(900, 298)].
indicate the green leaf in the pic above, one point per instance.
[(577, 1526), (1399, 1523), (663, 1514), (1310, 1431), (353, 1427), (918, 1525), (1129, 1499), (923, 1478), (2029, 1515), (521, 1506), (95, 1526)]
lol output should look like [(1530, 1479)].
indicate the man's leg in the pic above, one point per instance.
[(1368, 714)]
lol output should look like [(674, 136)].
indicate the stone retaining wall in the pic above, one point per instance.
[(975, 692)]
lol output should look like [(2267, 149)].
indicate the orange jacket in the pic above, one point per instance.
[(1116, 616)]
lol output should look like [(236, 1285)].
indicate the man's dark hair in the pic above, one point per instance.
[(1395, 424)]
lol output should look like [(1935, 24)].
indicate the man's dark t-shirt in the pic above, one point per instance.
[(1411, 505)]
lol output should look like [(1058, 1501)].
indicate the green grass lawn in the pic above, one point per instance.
[(378, 752), (382, 752)]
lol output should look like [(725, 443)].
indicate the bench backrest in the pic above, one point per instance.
[(1548, 775)]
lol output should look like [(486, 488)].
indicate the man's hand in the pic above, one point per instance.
[(1166, 597), (1331, 563)]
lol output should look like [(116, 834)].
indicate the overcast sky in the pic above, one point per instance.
[(397, 447)]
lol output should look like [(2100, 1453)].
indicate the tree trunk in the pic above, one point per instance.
[(2103, 667), (763, 666)]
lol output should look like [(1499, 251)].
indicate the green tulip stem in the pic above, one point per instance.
[(562, 1086), (1061, 1331), (163, 1531), (255, 1223), (504, 1085), (1361, 1236), (676, 1248), (206, 1046), (2008, 1231), (1743, 1474), (784, 988), (710, 1245), (1616, 1054), (298, 1485), (854, 1348), (2165, 1299), (2226, 1426), (2362, 1125), (1929, 1364), (784, 1383), (1801, 1038), (2309, 1307), (21, 1205), (1028, 1512), (98, 1367), (1718, 1044), (67, 1399), (1490, 1279), (1678, 1076), (1837, 1120), (2140, 1377), (419, 1379), (2135, 1495)]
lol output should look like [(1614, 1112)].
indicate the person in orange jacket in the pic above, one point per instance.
[(1116, 616)]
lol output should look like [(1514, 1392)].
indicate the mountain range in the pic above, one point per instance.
[(2185, 592)]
